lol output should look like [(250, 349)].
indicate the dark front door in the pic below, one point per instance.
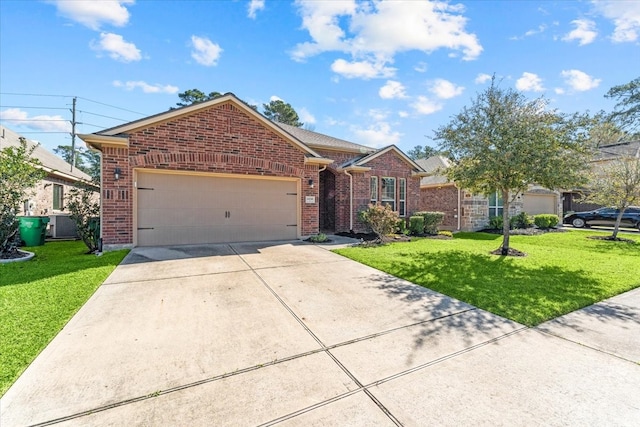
[(327, 201)]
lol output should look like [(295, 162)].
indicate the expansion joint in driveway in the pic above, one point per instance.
[(322, 345)]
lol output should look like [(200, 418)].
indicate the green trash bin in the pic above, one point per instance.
[(33, 229)]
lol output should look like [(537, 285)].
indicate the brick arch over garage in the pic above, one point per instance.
[(215, 162)]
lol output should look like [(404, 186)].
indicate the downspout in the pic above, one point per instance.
[(459, 207), (350, 200)]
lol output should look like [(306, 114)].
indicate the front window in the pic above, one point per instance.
[(495, 204), (374, 190), (402, 197), (58, 197), (388, 193)]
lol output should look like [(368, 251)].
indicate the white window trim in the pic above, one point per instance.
[(402, 184), (374, 179), (493, 208), (395, 193)]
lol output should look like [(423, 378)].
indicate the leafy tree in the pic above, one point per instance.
[(87, 161), (19, 173), (627, 110), (91, 166), (84, 207), (279, 111), (66, 153), (504, 142), (193, 96), (420, 152), (616, 184), (605, 131)]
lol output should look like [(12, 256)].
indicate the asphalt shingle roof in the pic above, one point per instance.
[(9, 138), (318, 140), (431, 165)]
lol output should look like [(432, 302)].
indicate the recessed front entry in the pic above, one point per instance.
[(178, 209)]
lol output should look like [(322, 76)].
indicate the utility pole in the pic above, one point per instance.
[(73, 133)]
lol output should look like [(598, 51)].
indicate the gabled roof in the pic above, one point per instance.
[(613, 151), (391, 148), (117, 136), (51, 163), (318, 140), (431, 165)]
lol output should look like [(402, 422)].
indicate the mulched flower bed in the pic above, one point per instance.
[(525, 231), (611, 239), (511, 252)]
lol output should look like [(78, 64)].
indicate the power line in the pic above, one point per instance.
[(112, 106), (100, 115), (71, 96), (35, 94), (39, 108), (34, 120)]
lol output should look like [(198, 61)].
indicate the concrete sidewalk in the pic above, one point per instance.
[(292, 334)]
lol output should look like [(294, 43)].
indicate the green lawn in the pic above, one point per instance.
[(38, 297), (562, 272)]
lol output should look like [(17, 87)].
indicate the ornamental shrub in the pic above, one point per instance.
[(432, 221), (522, 220), (445, 233), (381, 219), (495, 223), (546, 220), (416, 224)]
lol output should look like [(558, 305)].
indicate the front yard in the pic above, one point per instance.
[(562, 272), (38, 297)]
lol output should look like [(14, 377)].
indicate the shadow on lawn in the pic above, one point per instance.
[(495, 284)]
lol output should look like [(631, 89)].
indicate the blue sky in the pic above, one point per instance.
[(372, 72)]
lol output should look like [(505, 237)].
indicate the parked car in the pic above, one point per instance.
[(605, 216)]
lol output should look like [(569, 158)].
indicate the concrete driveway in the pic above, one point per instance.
[(292, 334)]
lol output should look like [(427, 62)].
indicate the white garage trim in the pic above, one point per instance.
[(181, 207)]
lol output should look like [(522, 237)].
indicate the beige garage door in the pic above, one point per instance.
[(191, 209), (540, 204)]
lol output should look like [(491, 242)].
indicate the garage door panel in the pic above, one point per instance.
[(535, 204), (185, 209)]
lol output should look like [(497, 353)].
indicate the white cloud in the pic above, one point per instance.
[(254, 6), (482, 78), (43, 122), (403, 114), (444, 89), (93, 14), (377, 135), (559, 91), (380, 30), (625, 16), (306, 117), (391, 90), (421, 67), (584, 32), (146, 87), (529, 82), (275, 98), (117, 48), (361, 69), (378, 115), (205, 52), (425, 106), (541, 28), (579, 80)]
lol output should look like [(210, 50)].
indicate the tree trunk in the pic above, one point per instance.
[(505, 222), (617, 226)]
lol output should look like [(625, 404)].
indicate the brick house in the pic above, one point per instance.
[(466, 211), (219, 171), (48, 196)]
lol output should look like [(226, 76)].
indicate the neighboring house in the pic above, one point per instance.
[(48, 198), (572, 200), (465, 211), (219, 171)]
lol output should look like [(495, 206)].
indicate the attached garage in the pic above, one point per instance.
[(534, 204), (182, 208)]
